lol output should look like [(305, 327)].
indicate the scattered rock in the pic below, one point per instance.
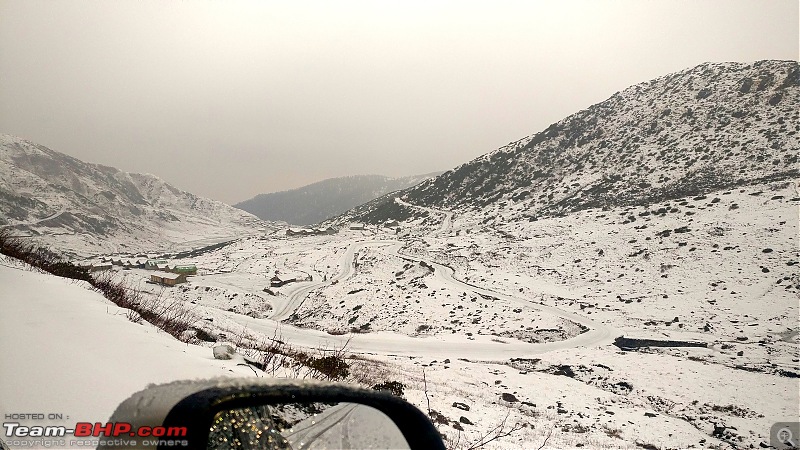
[(624, 343), (224, 350), (622, 387), (724, 432), (564, 370), (437, 417), (511, 398), (461, 406), (465, 421)]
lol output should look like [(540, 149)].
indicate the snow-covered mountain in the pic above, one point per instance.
[(714, 126), (651, 304), (87, 208), (322, 200)]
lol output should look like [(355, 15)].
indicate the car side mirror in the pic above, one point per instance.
[(318, 425), (275, 414)]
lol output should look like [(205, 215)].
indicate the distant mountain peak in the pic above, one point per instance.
[(319, 201)]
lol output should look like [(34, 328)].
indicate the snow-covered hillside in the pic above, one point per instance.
[(67, 350), (88, 208), (714, 126)]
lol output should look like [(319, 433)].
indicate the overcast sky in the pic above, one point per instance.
[(228, 99)]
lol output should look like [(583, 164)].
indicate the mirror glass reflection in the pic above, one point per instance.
[(304, 426)]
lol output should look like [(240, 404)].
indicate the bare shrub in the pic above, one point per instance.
[(612, 432), (40, 257), (272, 355), (330, 365), (369, 372), (169, 315), (395, 388), (501, 430)]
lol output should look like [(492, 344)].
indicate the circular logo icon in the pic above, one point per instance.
[(785, 436)]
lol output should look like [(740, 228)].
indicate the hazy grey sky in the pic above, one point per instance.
[(228, 99)]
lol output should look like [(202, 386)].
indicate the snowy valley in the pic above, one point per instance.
[(626, 278)]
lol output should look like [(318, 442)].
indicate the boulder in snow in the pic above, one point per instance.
[(507, 397), (224, 350)]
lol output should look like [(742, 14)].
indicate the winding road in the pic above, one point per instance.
[(297, 296), (387, 343), (447, 220)]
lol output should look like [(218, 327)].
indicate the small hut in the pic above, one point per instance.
[(168, 279)]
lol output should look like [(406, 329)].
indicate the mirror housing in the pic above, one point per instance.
[(193, 406)]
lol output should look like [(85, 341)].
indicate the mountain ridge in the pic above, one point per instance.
[(62, 200), (712, 126)]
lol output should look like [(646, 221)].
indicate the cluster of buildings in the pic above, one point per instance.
[(309, 231), (168, 274), (391, 223), (164, 266), (107, 263), (330, 230)]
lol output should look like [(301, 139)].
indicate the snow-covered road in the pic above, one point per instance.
[(298, 294), (479, 347), (447, 219)]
